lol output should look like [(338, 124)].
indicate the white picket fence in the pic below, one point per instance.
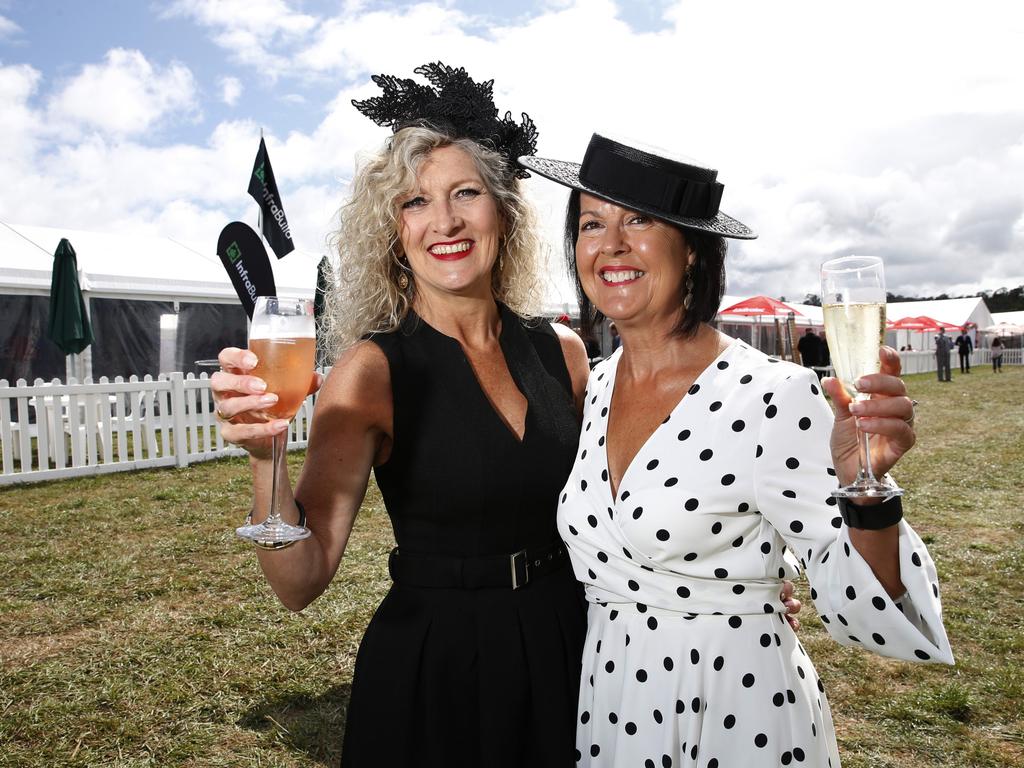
[(67, 430), (923, 362)]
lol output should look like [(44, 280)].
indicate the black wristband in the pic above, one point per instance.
[(872, 517)]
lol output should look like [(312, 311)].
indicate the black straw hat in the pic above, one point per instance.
[(681, 193)]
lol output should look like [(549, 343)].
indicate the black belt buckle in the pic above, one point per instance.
[(520, 569)]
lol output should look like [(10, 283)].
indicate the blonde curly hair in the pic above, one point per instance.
[(367, 250)]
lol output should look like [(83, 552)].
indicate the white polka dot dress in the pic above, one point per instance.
[(688, 659)]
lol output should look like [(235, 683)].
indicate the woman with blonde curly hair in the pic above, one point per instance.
[(466, 412)]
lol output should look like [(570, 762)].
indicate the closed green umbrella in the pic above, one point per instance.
[(69, 324)]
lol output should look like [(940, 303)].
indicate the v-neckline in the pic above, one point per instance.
[(610, 393), (507, 319)]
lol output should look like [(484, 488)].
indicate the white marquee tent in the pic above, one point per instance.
[(134, 267), (131, 285)]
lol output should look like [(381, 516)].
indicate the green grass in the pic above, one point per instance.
[(135, 630)]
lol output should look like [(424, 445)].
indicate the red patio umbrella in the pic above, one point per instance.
[(760, 306), (920, 323)]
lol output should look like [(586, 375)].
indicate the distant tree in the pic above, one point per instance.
[(813, 299), (1005, 299)]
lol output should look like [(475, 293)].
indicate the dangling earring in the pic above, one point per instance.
[(688, 285), (403, 281)]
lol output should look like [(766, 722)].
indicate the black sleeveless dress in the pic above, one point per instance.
[(472, 677)]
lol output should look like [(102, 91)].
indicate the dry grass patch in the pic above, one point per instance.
[(135, 630)]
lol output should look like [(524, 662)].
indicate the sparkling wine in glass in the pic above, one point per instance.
[(282, 337), (853, 301)]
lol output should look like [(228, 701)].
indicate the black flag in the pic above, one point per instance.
[(242, 253), (263, 189)]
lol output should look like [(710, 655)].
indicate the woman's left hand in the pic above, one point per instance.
[(793, 605), (888, 416)]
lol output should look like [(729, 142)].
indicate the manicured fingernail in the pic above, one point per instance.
[(862, 384), (280, 425), (268, 399), (856, 407), (259, 385), (250, 359)]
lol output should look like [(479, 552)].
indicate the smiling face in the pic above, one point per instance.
[(630, 265), (449, 227)]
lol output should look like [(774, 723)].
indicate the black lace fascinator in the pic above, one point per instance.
[(455, 105)]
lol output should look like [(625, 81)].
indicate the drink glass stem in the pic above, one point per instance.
[(274, 518), (864, 454)]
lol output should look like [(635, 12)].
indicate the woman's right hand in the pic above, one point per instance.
[(241, 401)]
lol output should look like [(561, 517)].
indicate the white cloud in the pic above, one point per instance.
[(351, 44), (264, 18), (8, 28), (230, 90), (123, 96), (247, 29), (833, 132), (19, 123)]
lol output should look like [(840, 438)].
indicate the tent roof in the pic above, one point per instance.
[(1017, 318), (955, 311), (135, 266)]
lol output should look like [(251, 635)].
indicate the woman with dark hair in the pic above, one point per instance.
[(702, 480)]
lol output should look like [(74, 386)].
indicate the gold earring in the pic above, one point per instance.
[(403, 281), (688, 285)]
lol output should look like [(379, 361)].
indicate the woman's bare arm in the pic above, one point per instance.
[(575, 353), (350, 432)]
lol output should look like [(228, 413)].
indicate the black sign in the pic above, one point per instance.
[(263, 189), (242, 253)]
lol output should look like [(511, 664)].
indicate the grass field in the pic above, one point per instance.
[(135, 630)]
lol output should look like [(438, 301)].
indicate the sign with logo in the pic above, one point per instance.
[(263, 188), (242, 253)]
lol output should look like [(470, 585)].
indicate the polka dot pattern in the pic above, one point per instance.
[(696, 663)]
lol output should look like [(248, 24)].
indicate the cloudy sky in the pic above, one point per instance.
[(876, 127)]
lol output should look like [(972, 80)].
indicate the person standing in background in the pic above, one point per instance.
[(809, 348), (997, 355), (943, 346), (616, 341), (964, 347), (824, 358)]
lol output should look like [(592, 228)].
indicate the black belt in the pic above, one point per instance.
[(508, 571)]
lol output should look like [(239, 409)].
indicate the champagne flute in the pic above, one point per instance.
[(282, 337), (853, 300)]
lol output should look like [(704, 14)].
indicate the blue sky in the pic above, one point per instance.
[(893, 129)]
